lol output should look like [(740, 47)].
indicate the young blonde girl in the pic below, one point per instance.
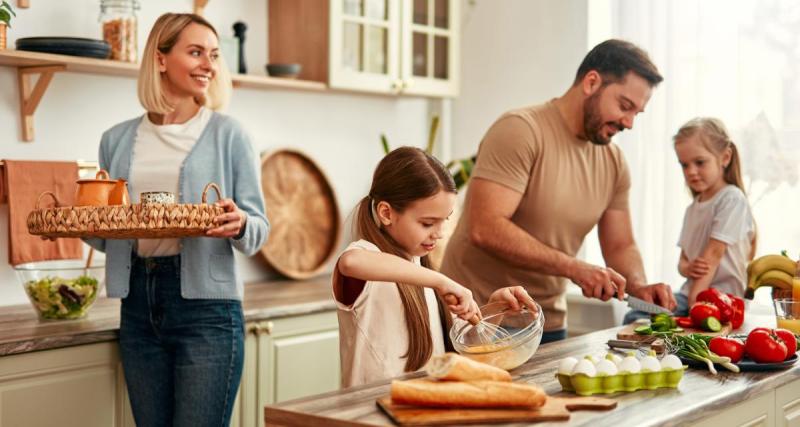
[(718, 235), (392, 317)]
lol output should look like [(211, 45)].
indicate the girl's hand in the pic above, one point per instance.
[(231, 223), (698, 268), (515, 296), (458, 299)]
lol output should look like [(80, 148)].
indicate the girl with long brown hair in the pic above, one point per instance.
[(392, 317)]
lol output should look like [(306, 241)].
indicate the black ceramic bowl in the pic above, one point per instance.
[(283, 70)]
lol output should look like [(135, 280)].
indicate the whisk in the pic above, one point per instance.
[(487, 333)]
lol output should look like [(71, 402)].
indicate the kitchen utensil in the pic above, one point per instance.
[(283, 70), (239, 28), (303, 214), (525, 326), (554, 409), (63, 289), (73, 46), (95, 192), (135, 221), (487, 332), (656, 344), (642, 305), (151, 197)]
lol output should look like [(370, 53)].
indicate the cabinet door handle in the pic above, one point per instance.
[(404, 84), (397, 86), (259, 329), (267, 328), (255, 329)]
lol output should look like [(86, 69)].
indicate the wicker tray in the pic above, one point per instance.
[(303, 213), (137, 221)]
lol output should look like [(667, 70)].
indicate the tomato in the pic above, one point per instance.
[(722, 301), (789, 340), (684, 322), (701, 310), (737, 318), (763, 346), (727, 347)]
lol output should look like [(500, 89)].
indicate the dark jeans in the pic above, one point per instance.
[(551, 336), (681, 309), (182, 357)]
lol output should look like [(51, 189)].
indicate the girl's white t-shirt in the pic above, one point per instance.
[(158, 152), (373, 334), (725, 217)]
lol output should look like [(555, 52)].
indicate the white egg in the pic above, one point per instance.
[(606, 367), (585, 367), (671, 361), (567, 365), (650, 364), (630, 365), (614, 358)]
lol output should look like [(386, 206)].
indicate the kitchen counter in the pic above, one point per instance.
[(22, 332), (700, 395)]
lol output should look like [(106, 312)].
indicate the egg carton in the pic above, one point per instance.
[(585, 385)]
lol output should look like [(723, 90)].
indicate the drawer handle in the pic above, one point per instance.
[(258, 329)]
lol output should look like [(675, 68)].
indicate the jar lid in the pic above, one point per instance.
[(132, 4)]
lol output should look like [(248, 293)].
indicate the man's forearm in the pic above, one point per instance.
[(627, 261), (507, 241)]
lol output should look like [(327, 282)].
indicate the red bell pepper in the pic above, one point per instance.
[(737, 318), (722, 301)]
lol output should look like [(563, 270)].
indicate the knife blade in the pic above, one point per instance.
[(642, 305)]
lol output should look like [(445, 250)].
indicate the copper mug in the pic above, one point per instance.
[(102, 191)]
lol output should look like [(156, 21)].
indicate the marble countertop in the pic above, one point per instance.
[(21, 331)]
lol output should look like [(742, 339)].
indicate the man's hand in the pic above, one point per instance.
[(658, 293), (598, 282)]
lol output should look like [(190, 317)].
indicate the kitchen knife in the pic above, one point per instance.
[(642, 305)]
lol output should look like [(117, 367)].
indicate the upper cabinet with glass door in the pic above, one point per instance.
[(430, 47), (395, 46), (365, 45)]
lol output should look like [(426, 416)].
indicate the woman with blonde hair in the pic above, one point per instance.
[(182, 327)]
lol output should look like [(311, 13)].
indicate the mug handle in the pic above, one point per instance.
[(101, 174)]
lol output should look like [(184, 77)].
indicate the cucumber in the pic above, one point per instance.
[(711, 324), (643, 330)]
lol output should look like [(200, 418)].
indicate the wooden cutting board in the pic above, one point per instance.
[(554, 409), (627, 333)]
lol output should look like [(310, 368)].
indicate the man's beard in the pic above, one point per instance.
[(593, 121)]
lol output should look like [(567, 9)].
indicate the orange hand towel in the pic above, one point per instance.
[(24, 182)]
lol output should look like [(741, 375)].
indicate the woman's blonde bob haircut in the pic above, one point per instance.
[(162, 38)]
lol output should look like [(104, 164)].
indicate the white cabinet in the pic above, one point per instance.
[(787, 405), (380, 46), (78, 386), (754, 412)]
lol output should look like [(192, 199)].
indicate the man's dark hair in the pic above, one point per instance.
[(614, 58)]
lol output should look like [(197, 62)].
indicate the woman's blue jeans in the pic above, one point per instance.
[(182, 357)]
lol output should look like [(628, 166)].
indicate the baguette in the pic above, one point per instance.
[(454, 367), (472, 394)]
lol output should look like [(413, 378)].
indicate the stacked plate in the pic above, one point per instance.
[(66, 46)]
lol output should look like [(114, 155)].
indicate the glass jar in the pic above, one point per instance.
[(119, 28)]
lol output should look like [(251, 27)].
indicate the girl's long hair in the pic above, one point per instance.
[(405, 175), (715, 138)]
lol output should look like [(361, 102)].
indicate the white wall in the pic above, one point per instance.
[(514, 53), (339, 131)]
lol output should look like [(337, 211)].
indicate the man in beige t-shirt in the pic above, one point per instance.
[(545, 176)]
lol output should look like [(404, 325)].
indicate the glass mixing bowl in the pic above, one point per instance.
[(61, 290), (525, 330)]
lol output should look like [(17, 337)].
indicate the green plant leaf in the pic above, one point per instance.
[(432, 134), (385, 144), (5, 17), (8, 7)]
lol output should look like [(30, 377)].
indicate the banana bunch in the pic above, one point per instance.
[(777, 271)]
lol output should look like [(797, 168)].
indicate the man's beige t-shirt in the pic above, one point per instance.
[(566, 184), (373, 335)]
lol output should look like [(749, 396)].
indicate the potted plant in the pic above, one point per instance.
[(6, 12)]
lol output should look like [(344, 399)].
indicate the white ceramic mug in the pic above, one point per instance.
[(151, 197)]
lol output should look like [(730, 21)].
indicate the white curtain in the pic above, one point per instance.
[(735, 60)]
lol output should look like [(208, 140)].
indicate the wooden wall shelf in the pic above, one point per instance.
[(46, 64)]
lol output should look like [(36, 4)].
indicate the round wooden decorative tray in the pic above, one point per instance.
[(137, 221), (303, 214)]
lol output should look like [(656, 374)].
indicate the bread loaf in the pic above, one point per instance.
[(471, 394), (454, 367)]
